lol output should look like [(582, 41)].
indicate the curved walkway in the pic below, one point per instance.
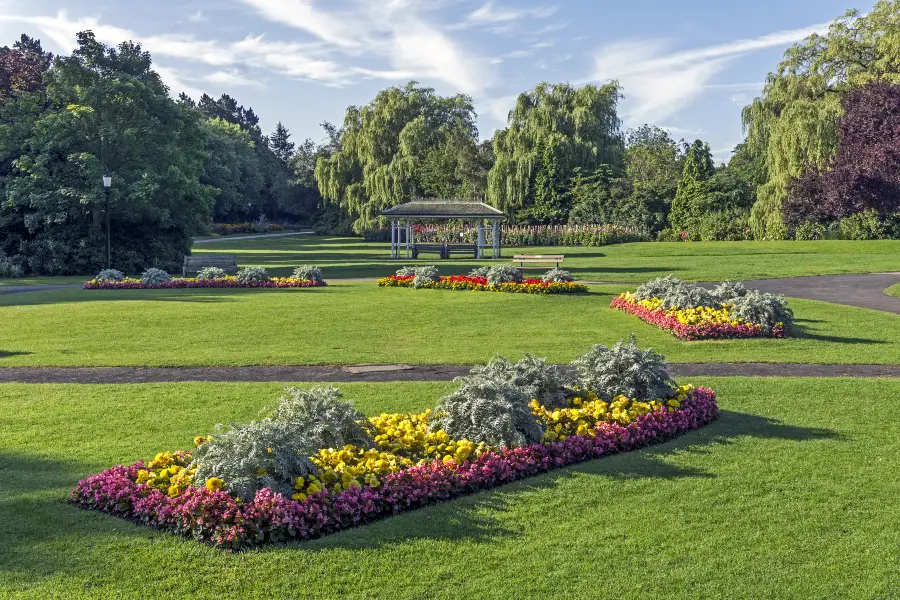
[(391, 373)]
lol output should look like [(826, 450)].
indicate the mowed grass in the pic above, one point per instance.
[(359, 323), (701, 261), (791, 494)]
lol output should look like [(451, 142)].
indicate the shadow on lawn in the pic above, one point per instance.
[(195, 295), (5, 354), (470, 517), (804, 333)]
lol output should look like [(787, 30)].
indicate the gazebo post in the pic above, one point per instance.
[(479, 245), (393, 238), (495, 250), (407, 239)]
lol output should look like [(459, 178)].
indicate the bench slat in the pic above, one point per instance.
[(537, 256)]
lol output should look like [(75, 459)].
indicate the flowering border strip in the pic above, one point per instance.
[(702, 331), (217, 518), (480, 284), (190, 282)]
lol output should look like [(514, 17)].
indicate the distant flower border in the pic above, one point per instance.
[(480, 284), (214, 517), (190, 282), (703, 331)]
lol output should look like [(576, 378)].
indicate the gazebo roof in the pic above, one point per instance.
[(443, 209)]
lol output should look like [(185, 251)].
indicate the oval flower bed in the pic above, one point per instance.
[(693, 313), (411, 465), (480, 284), (192, 282)]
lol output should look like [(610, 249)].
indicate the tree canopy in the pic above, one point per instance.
[(552, 131), (407, 142), (792, 127)]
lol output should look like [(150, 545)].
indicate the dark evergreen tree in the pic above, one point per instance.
[(281, 144)]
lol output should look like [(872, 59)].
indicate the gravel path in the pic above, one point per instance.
[(383, 373)]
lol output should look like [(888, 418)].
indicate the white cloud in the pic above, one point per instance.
[(231, 78), (172, 78), (300, 14), (658, 83), (198, 17), (489, 13)]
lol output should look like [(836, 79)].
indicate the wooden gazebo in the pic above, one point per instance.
[(404, 216)]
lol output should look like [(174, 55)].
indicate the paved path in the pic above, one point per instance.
[(250, 237), (383, 373)]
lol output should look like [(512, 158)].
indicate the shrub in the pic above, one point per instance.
[(274, 451), (675, 293), (8, 268), (668, 235), (558, 275), (499, 274), (406, 272), (251, 275), (479, 272), (210, 273), (862, 226), (262, 224), (425, 275), (309, 273), (727, 291), (624, 370), (765, 309), (107, 275), (490, 411), (154, 276), (539, 381), (808, 231)]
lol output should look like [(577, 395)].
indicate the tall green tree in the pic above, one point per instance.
[(232, 168), (793, 125), (553, 130), (407, 142), (698, 168), (653, 166), (107, 109), (280, 143)]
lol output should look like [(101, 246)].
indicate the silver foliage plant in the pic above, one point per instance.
[(624, 370), (538, 380), (211, 273), (406, 272), (728, 291), (558, 276), (767, 310), (110, 275), (675, 293), (252, 275), (154, 276), (479, 272), (499, 274), (309, 273), (273, 451), (426, 275), (488, 410)]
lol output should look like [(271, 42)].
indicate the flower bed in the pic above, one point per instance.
[(695, 323), (354, 486), (191, 282), (480, 284)]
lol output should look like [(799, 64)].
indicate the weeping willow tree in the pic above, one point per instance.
[(407, 142), (553, 130), (792, 127)]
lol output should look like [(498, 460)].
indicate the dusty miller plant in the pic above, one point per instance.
[(557, 276), (488, 410), (425, 275), (764, 309), (309, 273), (479, 272), (675, 293), (727, 291), (108, 275), (538, 380), (210, 273), (624, 370), (406, 272), (251, 275), (154, 276), (273, 451), (499, 274)]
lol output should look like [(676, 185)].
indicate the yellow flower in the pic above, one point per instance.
[(214, 484)]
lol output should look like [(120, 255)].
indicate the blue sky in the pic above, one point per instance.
[(686, 66)]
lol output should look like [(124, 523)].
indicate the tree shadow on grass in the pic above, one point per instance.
[(6, 354), (202, 296), (804, 333)]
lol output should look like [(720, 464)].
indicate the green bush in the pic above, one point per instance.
[(624, 370), (809, 231), (862, 226)]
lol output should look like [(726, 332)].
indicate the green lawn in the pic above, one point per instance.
[(706, 261), (791, 494), (355, 323), (701, 261)]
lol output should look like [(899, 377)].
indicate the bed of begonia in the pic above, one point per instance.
[(481, 284), (691, 312), (130, 283), (410, 465)]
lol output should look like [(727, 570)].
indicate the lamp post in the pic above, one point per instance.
[(107, 184)]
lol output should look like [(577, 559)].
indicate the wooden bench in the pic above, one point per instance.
[(538, 261), (445, 250), (194, 264)]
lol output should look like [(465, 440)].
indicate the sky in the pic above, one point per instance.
[(689, 67)]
